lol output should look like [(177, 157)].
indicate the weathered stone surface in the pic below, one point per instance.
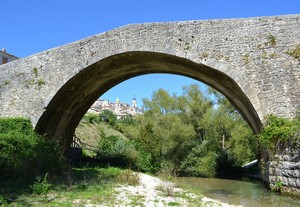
[(291, 173), (245, 59), (284, 167)]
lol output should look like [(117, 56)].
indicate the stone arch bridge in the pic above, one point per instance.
[(245, 59)]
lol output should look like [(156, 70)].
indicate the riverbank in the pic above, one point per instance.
[(154, 192), (105, 187)]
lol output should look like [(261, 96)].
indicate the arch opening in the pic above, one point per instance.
[(71, 102)]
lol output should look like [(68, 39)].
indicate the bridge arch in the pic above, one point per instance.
[(74, 98), (245, 59)]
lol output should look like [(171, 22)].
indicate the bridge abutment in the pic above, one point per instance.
[(280, 170)]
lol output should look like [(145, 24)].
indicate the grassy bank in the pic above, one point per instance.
[(33, 173), (77, 186), (98, 186)]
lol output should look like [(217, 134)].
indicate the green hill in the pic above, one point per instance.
[(90, 132)]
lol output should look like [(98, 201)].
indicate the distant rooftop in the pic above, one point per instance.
[(4, 52), (6, 57)]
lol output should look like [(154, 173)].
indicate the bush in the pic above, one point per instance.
[(10, 125), (129, 178), (279, 131), (277, 186), (200, 161), (116, 151), (206, 166), (92, 118), (41, 185), (144, 162), (109, 117), (25, 154), (3, 201), (110, 173)]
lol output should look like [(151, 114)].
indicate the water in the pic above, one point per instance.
[(245, 192)]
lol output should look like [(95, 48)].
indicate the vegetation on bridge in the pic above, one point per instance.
[(280, 131)]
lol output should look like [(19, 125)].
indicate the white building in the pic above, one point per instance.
[(118, 108), (6, 57), (133, 109)]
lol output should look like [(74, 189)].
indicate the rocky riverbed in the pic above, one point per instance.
[(153, 192)]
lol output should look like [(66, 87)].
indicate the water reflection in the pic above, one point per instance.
[(247, 192)]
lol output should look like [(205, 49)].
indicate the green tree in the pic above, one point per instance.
[(161, 103), (116, 151), (200, 161), (190, 133), (236, 138), (161, 131), (108, 116), (196, 106)]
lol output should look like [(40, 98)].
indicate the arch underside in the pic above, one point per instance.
[(71, 102)]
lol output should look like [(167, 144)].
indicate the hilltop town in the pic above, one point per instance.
[(119, 108)]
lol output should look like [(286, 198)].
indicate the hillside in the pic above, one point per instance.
[(90, 133)]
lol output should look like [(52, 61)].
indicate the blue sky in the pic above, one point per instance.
[(32, 26)]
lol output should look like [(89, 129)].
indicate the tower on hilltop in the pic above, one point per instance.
[(134, 104)]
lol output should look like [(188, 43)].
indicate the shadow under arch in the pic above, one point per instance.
[(75, 97)]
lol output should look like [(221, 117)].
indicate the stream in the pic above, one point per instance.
[(245, 192)]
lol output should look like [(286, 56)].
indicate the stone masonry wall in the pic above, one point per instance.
[(283, 167), (252, 51)]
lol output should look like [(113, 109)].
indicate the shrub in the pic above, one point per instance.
[(200, 162), (110, 173), (92, 118), (25, 154), (116, 151), (279, 131), (129, 177), (41, 185), (206, 166), (144, 162), (21, 125), (108, 116), (167, 189), (277, 186), (3, 201)]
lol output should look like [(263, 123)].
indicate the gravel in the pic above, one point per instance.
[(153, 192)]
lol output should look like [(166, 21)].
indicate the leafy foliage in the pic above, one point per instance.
[(279, 131), (277, 187), (92, 118), (109, 116), (3, 201), (25, 154), (201, 161), (41, 185), (189, 133), (115, 150)]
